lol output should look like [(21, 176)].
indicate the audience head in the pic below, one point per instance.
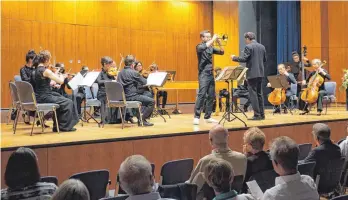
[(22, 169), (249, 36), (254, 140), (43, 57), (218, 137), (295, 57), (136, 175), (321, 132), (129, 61), (106, 62), (71, 189), (29, 57), (205, 35), (138, 66), (316, 63), (219, 175), (284, 153)]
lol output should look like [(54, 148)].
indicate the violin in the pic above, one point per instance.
[(112, 71), (144, 73)]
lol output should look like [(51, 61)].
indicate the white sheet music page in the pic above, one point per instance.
[(255, 189), (90, 79), (76, 81), (156, 79)]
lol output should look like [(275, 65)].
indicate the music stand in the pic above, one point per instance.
[(230, 74), (279, 82)]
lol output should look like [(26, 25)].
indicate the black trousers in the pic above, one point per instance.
[(206, 90), (80, 97), (321, 94), (256, 96), (164, 95), (148, 104)]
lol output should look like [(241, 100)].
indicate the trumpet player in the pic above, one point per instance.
[(205, 51)]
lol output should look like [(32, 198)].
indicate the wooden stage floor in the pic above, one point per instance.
[(177, 125)]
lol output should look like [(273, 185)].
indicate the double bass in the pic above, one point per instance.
[(311, 93)]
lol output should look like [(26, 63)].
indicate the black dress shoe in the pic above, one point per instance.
[(256, 118), (145, 123), (71, 130), (245, 108), (38, 124), (304, 112), (319, 113), (276, 111), (285, 111)]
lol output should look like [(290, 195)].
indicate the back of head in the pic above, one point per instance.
[(321, 131), (42, 57), (71, 189), (136, 175), (218, 136), (249, 35), (22, 169), (284, 151), (30, 55), (219, 175), (255, 137), (129, 60)]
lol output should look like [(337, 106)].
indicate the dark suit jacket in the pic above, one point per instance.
[(322, 154), (255, 57)]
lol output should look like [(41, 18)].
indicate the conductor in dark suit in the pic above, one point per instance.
[(255, 57)]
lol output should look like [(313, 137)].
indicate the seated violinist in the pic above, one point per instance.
[(291, 79), (312, 80), (60, 88), (131, 81), (138, 66), (160, 93)]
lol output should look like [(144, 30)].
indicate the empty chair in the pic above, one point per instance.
[(116, 99), (304, 150), (95, 181), (49, 179), (27, 102), (265, 179), (182, 191), (307, 169), (15, 105), (343, 197), (330, 175), (176, 171), (17, 78), (330, 88)]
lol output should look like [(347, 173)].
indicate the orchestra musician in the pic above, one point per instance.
[(291, 80), (254, 55), (318, 70), (80, 95), (67, 118), (131, 81), (296, 68), (160, 93), (60, 88), (138, 66), (205, 51)]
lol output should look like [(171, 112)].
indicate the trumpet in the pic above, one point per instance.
[(221, 40)]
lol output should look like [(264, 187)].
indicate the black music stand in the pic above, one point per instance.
[(230, 74), (279, 82)]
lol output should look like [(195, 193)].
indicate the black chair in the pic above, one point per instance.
[(182, 191), (343, 197), (95, 181), (120, 190), (307, 169), (49, 179), (176, 171), (265, 179), (120, 197), (304, 150), (330, 175)]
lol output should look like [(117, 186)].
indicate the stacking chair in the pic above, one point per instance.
[(120, 197), (28, 102), (330, 176), (117, 99), (176, 171), (14, 104), (304, 150), (330, 88), (307, 169), (265, 179), (96, 182), (92, 101), (182, 191), (49, 179)]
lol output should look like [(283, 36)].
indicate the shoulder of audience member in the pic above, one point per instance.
[(308, 180), (239, 154), (244, 197)]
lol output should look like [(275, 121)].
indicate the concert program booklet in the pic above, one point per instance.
[(157, 79)]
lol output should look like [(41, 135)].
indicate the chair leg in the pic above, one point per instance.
[(55, 116), (124, 113), (16, 122), (9, 115), (140, 116), (41, 115), (120, 110), (32, 127)]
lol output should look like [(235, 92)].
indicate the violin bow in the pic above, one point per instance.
[(122, 59)]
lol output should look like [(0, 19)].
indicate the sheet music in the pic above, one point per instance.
[(76, 81), (255, 189), (156, 79), (90, 79)]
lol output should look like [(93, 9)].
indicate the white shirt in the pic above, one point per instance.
[(344, 148), (291, 187)]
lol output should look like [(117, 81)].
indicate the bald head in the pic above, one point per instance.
[(218, 136)]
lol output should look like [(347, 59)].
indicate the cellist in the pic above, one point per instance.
[(291, 79), (318, 70)]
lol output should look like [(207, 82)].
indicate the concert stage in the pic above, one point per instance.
[(91, 147)]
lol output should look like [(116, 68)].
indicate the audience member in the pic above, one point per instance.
[(290, 184), (22, 177), (219, 175), (71, 189), (136, 178), (258, 160), (218, 137), (344, 146)]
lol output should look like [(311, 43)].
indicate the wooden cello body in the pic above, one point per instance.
[(311, 93), (277, 96)]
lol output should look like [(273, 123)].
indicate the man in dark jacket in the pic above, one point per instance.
[(254, 56)]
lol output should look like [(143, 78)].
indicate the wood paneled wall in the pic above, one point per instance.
[(67, 160), (81, 32), (323, 31)]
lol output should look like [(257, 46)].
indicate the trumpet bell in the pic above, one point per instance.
[(224, 37)]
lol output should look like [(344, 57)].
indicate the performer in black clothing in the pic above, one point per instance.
[(67, 118), (138, 66), (60, 88), (255, 57), (296, 68), (205, 51), (80, 96), (316, 63), (131, 81), (291, 80), (242, 92), (27, 69)]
